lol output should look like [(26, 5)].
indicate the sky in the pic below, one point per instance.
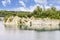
[(27, 5)]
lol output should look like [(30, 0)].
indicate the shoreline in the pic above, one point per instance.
[(34, 24)]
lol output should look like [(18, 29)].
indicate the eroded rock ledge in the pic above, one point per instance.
[(33, 23)]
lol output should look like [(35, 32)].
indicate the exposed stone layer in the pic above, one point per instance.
[(46, 23)]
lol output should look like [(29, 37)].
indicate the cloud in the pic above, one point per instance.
[(5, 2), (57, 7), (21, 9), (31, 8), (55, 1), (9, 1), (46, 7), (24, 0), (22, 3), (41, 1)]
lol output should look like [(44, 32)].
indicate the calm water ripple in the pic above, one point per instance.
[(8, 34)]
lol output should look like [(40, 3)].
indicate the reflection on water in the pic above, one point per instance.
[(16, 34), (48, 35)]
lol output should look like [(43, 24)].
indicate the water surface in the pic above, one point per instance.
[(16, 34)]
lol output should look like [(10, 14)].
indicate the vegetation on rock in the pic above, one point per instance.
[(51, 13)]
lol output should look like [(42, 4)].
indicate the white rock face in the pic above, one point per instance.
[(45, 23), (34, 23), (14, 22), (26, 21)]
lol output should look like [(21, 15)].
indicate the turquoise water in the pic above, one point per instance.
[(16, 34)]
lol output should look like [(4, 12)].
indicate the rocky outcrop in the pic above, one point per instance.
[(15, 21), (12, 20), (32, 23), (46, 24)]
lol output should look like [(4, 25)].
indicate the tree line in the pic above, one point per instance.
[(52, 13)]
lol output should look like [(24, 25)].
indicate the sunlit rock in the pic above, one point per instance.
[(12, 21), (47, 24), (33, 23)]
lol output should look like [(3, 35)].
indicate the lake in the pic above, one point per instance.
[(16, 34)]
